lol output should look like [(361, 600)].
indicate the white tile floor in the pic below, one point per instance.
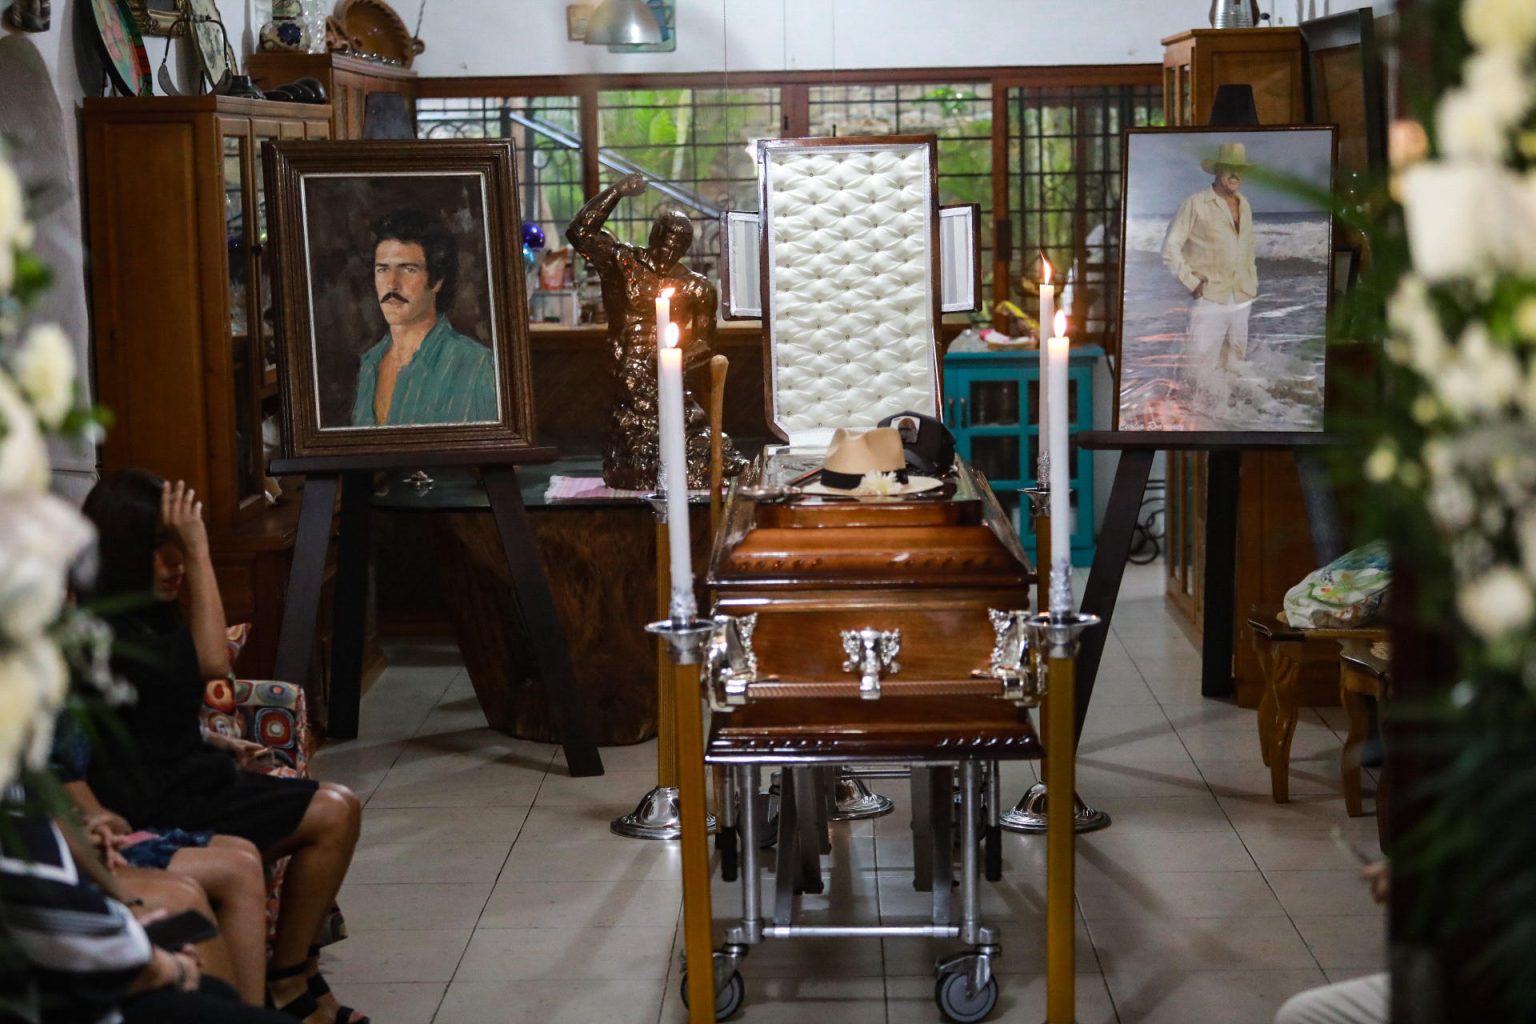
[(488, 889)]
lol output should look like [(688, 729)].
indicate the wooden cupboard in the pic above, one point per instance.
[(183, 341), (1196, 62)]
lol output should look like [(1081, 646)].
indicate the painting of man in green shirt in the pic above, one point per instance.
[(422, 371)]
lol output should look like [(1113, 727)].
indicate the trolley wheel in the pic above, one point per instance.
[(728, 1000), (726, 843), (960, 1005)]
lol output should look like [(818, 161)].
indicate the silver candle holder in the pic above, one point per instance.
[(1029, 815), (658, 815)]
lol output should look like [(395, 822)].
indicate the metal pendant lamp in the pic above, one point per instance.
[(623, 23)]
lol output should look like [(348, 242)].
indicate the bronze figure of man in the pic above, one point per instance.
[(632, 277)]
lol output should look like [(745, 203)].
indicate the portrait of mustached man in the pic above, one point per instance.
[(422, 370)]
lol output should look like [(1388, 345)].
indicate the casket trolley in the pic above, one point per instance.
[(861, 632)]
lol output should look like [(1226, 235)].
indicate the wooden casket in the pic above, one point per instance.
[(873, 630)]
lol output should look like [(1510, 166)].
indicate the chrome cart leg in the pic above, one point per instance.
[(970, 842), (751, 930)]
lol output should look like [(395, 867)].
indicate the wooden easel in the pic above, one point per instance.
[(1137, 450), (353, 477)]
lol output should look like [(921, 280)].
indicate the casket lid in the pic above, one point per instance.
[(851, 281)]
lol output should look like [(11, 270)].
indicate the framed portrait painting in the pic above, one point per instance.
[(402, 322), (1226, 278)]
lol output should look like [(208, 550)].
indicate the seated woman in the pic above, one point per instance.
[(153, 544)]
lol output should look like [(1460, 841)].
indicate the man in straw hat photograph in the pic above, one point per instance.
[(1209, 250), (1225, 283)]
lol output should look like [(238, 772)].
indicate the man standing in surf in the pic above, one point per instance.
[(1210, 249)]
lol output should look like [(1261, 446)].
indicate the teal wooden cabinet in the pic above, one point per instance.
[(991, 403)]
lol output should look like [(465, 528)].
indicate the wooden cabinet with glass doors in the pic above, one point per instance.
[(182, 330)]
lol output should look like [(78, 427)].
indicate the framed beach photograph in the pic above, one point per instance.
[(402, 321), (1227, 273)]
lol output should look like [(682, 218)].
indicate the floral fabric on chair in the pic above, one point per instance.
[(273, 714)]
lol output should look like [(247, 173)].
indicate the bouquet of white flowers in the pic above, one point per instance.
[(1452, 469), (41, 536)]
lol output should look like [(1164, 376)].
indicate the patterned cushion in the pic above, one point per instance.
[(850, 261)]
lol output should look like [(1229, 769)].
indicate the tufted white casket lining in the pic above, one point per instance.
[(849, 265)]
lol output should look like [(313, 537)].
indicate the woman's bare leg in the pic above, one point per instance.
[(162, 890), (231, 873), (320, 850)]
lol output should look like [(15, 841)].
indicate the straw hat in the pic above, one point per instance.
[(854, 454), (1231, 154)]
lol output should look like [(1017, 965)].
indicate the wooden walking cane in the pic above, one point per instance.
[(718, 365), (698, 920)]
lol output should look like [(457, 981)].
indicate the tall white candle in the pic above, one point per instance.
[(674, 470), (1047, 318), (1061, 470), (663, 314)]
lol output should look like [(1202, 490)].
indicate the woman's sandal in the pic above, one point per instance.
[(300, 1007), (318, 988)]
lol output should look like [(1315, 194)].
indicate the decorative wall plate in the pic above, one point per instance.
[(373, 29), (211, 43), (127, 63)]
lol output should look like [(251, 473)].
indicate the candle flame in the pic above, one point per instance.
[(665, 293), (672, 336), (1061, 324), (1045, 269)]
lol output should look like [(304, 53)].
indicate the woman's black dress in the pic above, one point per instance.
[(162, 774)]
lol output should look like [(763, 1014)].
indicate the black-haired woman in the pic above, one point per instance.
[(153, 543)]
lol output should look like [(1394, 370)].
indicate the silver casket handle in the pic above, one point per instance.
[(730, 664), (1012, 665), (869, 652)]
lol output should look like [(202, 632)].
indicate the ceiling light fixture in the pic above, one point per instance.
[(623, 23)]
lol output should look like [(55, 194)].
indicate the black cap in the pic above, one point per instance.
[(929, 445)]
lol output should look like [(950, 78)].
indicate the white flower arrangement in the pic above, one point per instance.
[(1463, 326), (41, 536)]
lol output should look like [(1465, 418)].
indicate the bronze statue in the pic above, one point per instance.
[(632, 276)]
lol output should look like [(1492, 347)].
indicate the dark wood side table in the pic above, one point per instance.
[(599, 556)]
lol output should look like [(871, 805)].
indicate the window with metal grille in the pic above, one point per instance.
[(960, 114), (546, 133), (697, 147), (1064, 159)]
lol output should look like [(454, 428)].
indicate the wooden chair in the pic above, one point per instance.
[(1282, 651), (1362, 674)]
